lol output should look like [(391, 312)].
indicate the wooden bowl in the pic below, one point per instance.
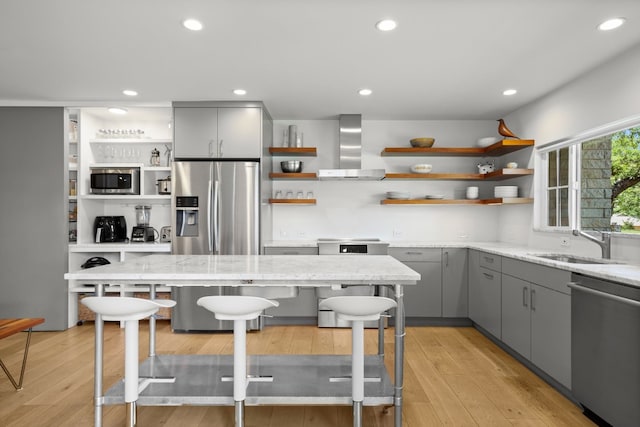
[(422, 142)]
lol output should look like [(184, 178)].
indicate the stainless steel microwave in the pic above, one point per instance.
[(106, 180)]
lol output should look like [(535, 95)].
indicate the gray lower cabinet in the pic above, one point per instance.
[(455, 288), (536, 316), (425, 298), (305, 305), (485, 289)]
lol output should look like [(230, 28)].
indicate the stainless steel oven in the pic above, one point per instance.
[(370, 246)]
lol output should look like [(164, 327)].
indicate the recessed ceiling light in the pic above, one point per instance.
[(240, 91), (130, 92), (386, 25), (365, 92), (192, 24), (509, 92), (611, 24), (117, 110)]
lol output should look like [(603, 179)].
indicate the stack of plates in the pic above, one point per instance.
[(434, 196), (502, 191), (398, 195)]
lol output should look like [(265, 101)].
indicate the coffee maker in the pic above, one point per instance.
[(142, 232)]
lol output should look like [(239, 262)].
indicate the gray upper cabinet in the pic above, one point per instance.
[(485, 290), (425, 298), (217, 132), (454, 282)]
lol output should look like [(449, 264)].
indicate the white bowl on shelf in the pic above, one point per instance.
[(421, 168), (398, 195), (486, 141)]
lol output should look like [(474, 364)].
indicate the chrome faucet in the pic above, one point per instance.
[(604, 242)]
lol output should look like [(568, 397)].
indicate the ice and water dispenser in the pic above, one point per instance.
[(186, 216)]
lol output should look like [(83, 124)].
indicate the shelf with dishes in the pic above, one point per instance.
[(438, 201), (497, 149), (293, 151), (501, 174), (293, 201)]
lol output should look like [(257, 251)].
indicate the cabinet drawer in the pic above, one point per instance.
[(490, 261), (416, 254), (291, 251), (549, 277)]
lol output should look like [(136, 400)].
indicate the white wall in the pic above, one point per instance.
[(606, 94), (353, 209)]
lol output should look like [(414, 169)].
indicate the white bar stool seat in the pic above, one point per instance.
[(357, 310), (238, 308), (130, 311)]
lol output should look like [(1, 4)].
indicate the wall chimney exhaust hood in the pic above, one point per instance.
[(350, 153)]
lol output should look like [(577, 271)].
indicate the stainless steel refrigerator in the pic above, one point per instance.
[(215, 209)]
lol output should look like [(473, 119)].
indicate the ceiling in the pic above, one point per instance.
[(307, 59)]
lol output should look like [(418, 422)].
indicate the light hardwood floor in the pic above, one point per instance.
[(453, 376)]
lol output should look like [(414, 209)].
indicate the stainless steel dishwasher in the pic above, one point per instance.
[(605, 349)]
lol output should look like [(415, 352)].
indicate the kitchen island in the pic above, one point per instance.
[(300, 379)]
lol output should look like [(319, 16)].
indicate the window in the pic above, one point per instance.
[(592, 182)]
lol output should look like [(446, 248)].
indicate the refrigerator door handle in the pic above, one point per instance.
[(210, 206), (220, 148), (216, 221)]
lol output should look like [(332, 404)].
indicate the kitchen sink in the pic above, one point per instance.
[(572, 259)]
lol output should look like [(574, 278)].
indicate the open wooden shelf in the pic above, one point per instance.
[(293, 151), (293, 176), (496, 201), (498, 149), (293, 201), (498, 175)]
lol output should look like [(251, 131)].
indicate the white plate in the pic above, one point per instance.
[(434, 197), (397, 195)]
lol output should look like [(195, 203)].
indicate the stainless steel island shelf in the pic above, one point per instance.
[(297, 380)]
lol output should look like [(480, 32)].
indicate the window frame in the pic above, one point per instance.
[(540, 219)]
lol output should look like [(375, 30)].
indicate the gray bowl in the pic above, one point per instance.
[(291, 166)]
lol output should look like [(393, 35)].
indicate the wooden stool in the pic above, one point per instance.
[(238, 308), (357, 310), (9, 327), (129, 311)]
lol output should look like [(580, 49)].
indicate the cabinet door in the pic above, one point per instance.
[(484, 300), (455, 288), (239, 132), (425, 298), (195, 132), (551, 333), (516, 317)]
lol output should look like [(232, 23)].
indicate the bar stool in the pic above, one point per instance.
[(357, 310), (130, 311), (238, 308)]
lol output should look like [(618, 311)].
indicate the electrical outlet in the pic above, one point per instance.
[(283, 233), (397, 233), (565, 241)]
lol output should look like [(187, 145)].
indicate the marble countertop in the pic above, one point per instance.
[(622, 272), (267, 270)]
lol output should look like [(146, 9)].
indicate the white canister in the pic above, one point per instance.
[(472, 192)]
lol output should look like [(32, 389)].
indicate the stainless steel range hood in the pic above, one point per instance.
[(350, 154)]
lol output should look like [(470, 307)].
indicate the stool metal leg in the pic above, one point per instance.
[(239, 411), (132, 415), (357, 414)]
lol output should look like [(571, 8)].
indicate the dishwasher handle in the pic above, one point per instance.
[(577, 287)]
